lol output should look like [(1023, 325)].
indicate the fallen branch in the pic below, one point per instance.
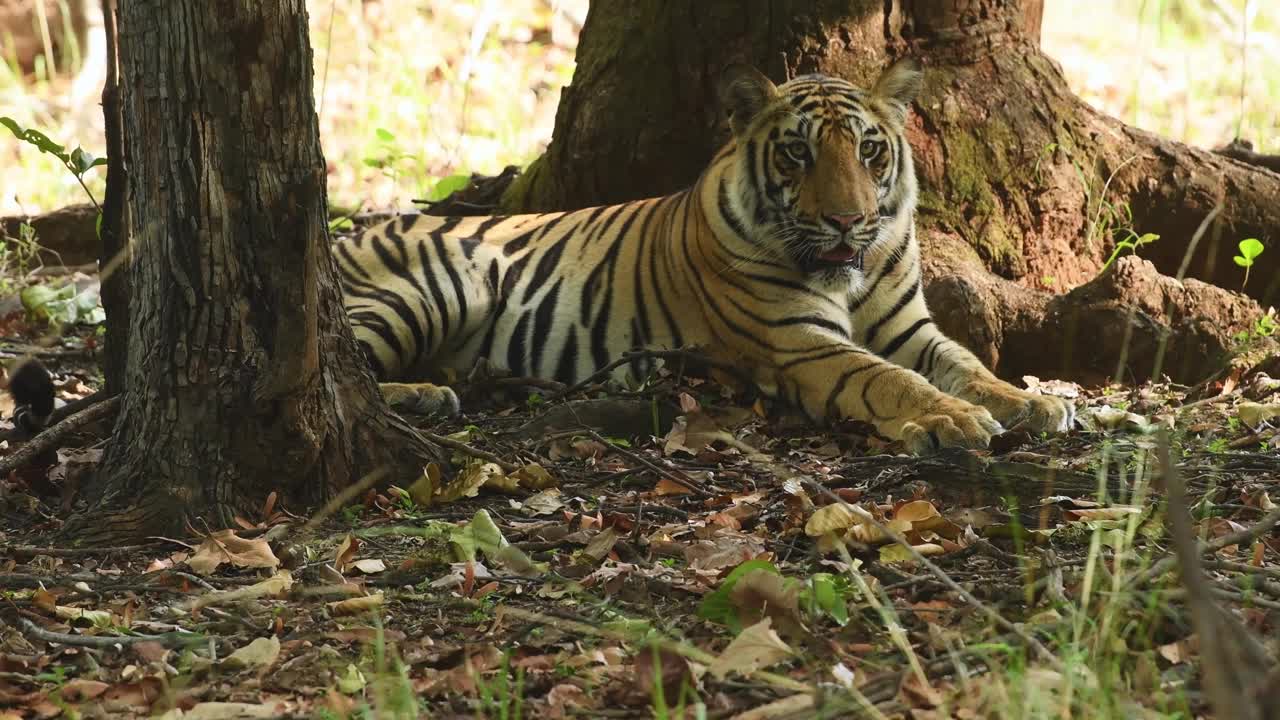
[(680, 479), (469, 450), (52, 437), (107, 642)]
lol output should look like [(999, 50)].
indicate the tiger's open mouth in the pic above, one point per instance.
[(841, 255)]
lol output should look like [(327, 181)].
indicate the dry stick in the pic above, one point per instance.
[(30, 551), (1248, 535), (469, 450), (627, 357), (54, 436), (684, 482), (1031, 642), (106, 642)]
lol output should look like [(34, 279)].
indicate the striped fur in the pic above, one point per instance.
[(793, 256)]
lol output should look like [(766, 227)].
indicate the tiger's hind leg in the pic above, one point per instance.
[(421, 398)]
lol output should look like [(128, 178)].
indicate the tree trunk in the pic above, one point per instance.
[(1018, 176), (242, 377)]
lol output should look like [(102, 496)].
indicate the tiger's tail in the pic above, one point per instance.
[(31, 386)]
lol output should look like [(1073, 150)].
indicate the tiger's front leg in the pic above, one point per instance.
[(843, 381), (912, 340)]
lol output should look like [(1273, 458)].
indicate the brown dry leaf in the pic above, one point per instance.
[(655, 665), (96, 617), (728, 549), (80, 690), (225, 546), (792, 706), (223, 711), (1181, 651), (354, 606), (764, 594), (534, 477), (260, 653), (756, 647), (670, 487), (601, 545), (568, 700), (369, 566), (345, 553)]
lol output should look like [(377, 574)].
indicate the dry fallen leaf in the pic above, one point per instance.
[(225, 546), (756, 647), (274, 586), (353, 606), (260, 653)]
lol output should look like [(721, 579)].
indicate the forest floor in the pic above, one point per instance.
[(676, 550)]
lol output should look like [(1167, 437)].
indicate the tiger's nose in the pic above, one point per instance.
[(844, 221)]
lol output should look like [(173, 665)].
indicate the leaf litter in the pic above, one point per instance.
[(738, 559)]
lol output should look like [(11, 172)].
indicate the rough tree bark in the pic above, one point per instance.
[(1018, 175), (242, 376)]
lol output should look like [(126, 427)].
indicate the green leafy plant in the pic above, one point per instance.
[(78, 161), (1132, 241), (17, 255), (1250, 249), (66, 305)]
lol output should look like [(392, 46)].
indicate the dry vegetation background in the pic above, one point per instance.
[(410, 93)]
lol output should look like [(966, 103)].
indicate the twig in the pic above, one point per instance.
[(53, 436), (32, 551), (106, 642), (345, 495), (1043, 652), (685, 482), (469, 450), (629, 356)]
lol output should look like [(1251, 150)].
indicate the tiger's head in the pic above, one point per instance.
[(822, 170)]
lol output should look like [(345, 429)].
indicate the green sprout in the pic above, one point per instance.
[(1250, 248)]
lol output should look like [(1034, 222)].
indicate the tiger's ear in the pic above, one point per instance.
[(899, 85), (744, 92)]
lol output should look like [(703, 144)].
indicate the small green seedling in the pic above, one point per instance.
[(1133, 242), (1250, 248)]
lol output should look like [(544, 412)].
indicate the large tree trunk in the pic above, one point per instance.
[(242, 376), (1018, 176)]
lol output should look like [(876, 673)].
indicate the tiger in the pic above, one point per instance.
[(792, 257)]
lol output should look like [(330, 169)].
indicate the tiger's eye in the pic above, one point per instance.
[(797, 150), (869, 149)]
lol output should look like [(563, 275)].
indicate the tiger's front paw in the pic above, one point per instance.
[(421, 398), (950, 423), (1025, 410)]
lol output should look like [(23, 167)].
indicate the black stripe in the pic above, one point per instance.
[(567, 365), (516, 345), (672, 329), (542, 326), (832, 407), (924, 351), (903, 337), (547, 264), (424, 259), (894, 258), (838, 350), (871, 382), (641, 329), (901, 303), (454, 279)]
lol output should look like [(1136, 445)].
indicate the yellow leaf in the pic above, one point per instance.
[(354, 606), (828, 518), (262, 652)]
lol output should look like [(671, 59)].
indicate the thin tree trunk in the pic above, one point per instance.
[(114, 257), (242, 377), (1018, 176)]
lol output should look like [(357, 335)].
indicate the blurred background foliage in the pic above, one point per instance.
[(411, 93)]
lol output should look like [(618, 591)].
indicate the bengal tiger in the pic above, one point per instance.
[(793, 257)]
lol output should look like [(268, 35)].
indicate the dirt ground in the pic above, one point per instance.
[(675, 550)]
